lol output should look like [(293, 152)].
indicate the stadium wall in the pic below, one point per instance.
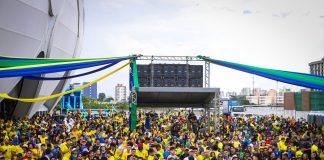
[(42, 29)]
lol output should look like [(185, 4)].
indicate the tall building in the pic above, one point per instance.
[(273, 95), (256, 92), (246, 91), (229, 94), (317, 67), (90, 91), (120, 93), (263, 92)]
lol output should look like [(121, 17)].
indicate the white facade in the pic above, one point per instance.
[(120, 93), (253, 99), (264, 100), (44, 29), (280, 100)]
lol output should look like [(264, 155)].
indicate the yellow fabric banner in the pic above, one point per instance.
[(5, 95)]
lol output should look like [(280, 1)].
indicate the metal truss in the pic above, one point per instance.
[(169, 58), (207, 74)]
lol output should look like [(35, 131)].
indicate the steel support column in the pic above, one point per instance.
[(207, 74)]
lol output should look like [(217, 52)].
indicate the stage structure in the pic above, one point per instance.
[(163, 82)]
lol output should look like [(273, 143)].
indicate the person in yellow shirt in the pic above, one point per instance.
[(201, 156), (134, 134), (127, 152), (36, 153), (6, 150), (146, 145), (12, 133), (160, 151), (43, 137), (110, 156), (150, 154), (65, 149), (236, 143), (299, 154), (314, 147), (220, 145), (281, 145), (140, 152), (19, 150), (115, 151), (75, 133)]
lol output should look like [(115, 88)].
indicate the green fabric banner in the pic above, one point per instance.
[(15, 62), (133, 104), (295, 78), (135, 76)]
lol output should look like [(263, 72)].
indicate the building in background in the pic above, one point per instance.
[(271, 97), (280, 100), (75, 85), (256, 92), (263, 92), (246, 91), (317, 67), (120, 93), (253, 99), (90, 91), (230, 94), (266, 100), (273, 94)]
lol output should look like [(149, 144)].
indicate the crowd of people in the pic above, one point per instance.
[(176, 135)]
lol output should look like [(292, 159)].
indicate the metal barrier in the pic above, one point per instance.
[(93, 112)]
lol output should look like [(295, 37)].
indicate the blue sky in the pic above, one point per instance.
[(275, 34)]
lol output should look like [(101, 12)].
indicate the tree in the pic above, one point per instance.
[(89, 102), (109, 99), (102, 97), (123, 105), (59, 105)]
